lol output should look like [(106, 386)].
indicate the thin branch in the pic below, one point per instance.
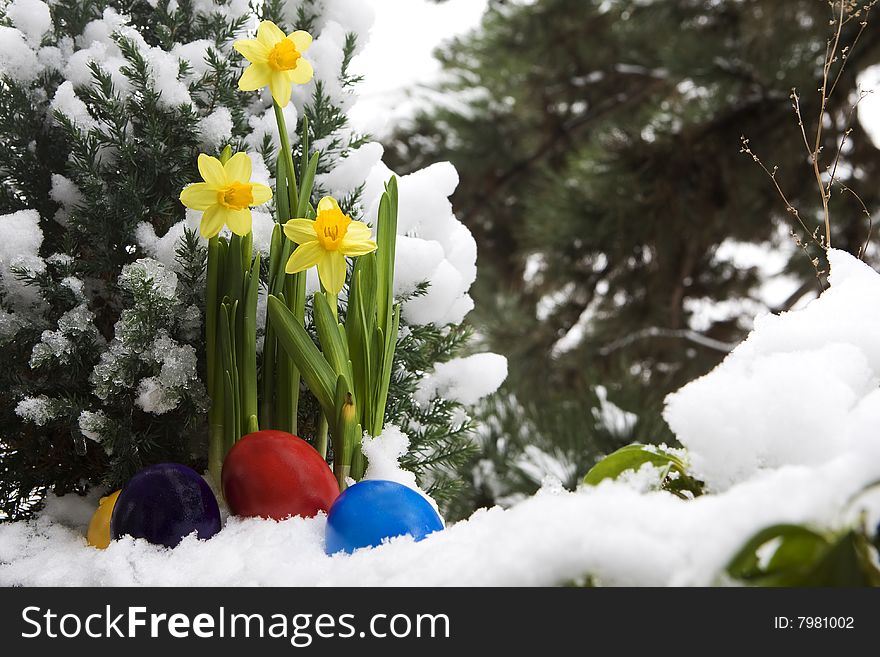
[(866, 212), (657, 332)]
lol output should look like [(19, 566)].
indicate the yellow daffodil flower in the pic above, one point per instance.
[(226, 196), (276, 61), (326, 241)]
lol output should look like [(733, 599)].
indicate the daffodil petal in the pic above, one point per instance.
[(358, 231), (305, 256), (352, 247), (261, 193), (255, 77), (212, 222), (331, 271), (238, 168), (239, 221), (301, 39), (269, 34), (198, 196), (300, 230), (212, 171), (327, 203), (252, 50), (280, 87), (302, 73)]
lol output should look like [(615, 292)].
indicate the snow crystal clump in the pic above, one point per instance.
[(153, 397), (56, 347), (148, 273), (38, 410), (10, 324), (178, 374), (465, 380), (92, 425)]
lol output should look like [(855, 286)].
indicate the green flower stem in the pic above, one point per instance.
[(232, 412), (321, 440), (248, 347), (215, 415), (287, 154), (296, 288), (282, 388)]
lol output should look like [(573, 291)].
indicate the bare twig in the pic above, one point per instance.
[(791, 209), (843, 12)]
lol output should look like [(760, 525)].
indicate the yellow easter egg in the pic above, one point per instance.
[(99, 527)]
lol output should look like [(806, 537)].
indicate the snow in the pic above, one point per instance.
[(348, 174), (828, 348), (466, 380), (394, 87), (753, 428), (68, 103), (22, 237), (17, 59), (612, 417), (216, 129), (869, 106), (326, 56), (425, 222), (97, 45), (383, 456), (195, 53), (163, 248), (66, 194), (263, 125), (31, 17)]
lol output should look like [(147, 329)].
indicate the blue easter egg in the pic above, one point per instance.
[(163, 503), (373, 510)]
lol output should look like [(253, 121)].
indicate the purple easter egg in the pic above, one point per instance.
[(163, 503)]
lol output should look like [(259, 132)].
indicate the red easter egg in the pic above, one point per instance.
[(274, 474)]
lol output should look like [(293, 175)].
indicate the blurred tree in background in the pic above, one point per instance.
[(598, 146)]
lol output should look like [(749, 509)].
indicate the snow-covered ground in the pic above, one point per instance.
[(784, 430)]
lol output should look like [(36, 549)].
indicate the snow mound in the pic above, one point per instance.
[(801, 390), (785, 429)]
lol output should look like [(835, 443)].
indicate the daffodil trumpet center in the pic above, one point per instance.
[(283, 56), (331, 227), (236, 196)]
